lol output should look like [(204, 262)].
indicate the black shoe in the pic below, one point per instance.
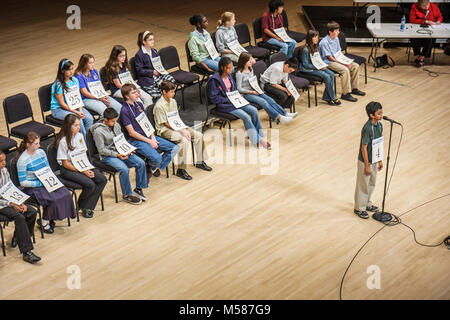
[(14, 242), (348, 97), (358, 92), (48, 227), (372, 208), (52, 224), (156, 173), (337, 102), (87, 213), (183, 174), (140, 194), (31, 257), (361, 214), (331, 102), (203, 166)]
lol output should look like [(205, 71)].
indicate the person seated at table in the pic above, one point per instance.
[(426, 13)]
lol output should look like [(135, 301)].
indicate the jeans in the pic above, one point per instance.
[(168, 148), (286, 47), (124, 172), (212, 64), (272, 108), (249, 114), (327, 77), (85, 124), (99, 107)]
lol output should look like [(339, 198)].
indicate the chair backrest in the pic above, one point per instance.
[(259, 68), (298, 52), (124, 130), (103, 77), (257, 32), (243, 33), (207, 91), (342, 41), (90, 143), (17, 107), (285, 19), (213, 39), (279, 56), (188, 55), (150, 115), (133, 69), (45, 97), (13, 173), (169, 57), (51, 156)]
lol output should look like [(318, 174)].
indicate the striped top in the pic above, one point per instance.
[(4, 179), (26, 165)]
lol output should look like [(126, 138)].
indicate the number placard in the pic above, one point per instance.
[(255, 85), (292, 89), (97, 90), (73, 98), (317, 61), (48, 179), (13, 194), (236, 47), (80, 160), (342, 58), (281, 32), (125, 77), (377, 149), (175, 121), (157, 64), (211, 49), (122, 145), (145, 124), (236, 99)]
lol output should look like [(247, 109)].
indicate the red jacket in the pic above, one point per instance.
[(269, 22), (417, 14)]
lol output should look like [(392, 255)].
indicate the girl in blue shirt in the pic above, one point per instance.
[(86, 75), (60, 108)]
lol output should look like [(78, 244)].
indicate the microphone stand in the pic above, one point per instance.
[(383, 216)]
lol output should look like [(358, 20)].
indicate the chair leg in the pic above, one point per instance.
[(200, 91), (32, 235), (270, 122), (335, 88), (3, 242), (229, 132), (173, 169), (193, 158), (101, 201), (182, 98), (315, 93), (167, 172), (115, 188), (40, 217), (76, 205), (68, 221), (365, 72), (309, 99)]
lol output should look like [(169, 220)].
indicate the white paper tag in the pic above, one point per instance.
[(254, 83), (96, 89), (281, 32), (236, 47), (80, 160), (122, 145), (339, 56), (48, 179), (126, 77), (317, 61), (13, 194), (175, 121), (211, 49), (145, 124), (377, 149), (73, 98), (236, 99), (157, 64), (292, 89)]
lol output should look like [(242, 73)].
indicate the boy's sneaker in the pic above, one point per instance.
[(156, 173), (292, 115), (140, 194), (372, 208), (285, 119), (132, 199), (361, 214)]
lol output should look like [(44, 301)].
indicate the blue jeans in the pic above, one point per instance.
[(168, 148), (286, 47), (99, 107), (249, 114), (328, 78), (85, 124), (212, 64), (124, 172), (272, 108)]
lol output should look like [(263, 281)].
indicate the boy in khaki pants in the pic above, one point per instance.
[(369, 161), (181, 137)]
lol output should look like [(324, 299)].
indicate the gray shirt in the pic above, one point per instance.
[(225, 35), (104, 139), (243, 83)]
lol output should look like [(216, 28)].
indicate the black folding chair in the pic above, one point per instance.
[(196, 68), (358, 59), (243, 33), (45, 96), (7, 145), (257, 34), (297, 36)]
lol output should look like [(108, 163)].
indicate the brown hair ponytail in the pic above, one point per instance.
[(30, 137)]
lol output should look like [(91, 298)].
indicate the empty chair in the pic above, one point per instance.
[(358, 59), (7, 145), (297, 36), (45, 96), (243, 34), (17, 108)]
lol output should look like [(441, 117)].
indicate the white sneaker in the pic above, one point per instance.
[(292, 115), (284, 120)]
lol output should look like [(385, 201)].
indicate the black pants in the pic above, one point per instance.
[(24, 224), (423, 46), (92, 188), (278, 95)]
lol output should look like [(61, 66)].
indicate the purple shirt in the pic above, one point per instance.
[(128, 115), (83, 80)]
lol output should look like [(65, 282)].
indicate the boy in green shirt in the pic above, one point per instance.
[(369, 161)]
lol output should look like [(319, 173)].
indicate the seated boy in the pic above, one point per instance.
[(181, 137), (104, 133), (328, 47), (148, 146), (273, 81)]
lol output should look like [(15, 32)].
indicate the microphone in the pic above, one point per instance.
[(425, 25), (390, 120)]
